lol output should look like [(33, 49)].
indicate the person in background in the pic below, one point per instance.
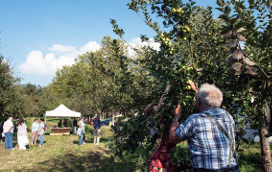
[(210, 134), (60, 123), (22, 135), (8, 131), (34, 130), (65, 123), (41, 132), (81, 126), (97, 131), (75, 125)]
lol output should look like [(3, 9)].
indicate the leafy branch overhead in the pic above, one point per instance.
[(232, 33)]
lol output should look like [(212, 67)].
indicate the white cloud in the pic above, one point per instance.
[(90, 46), (60, 55), (60, 49), (38, 63), (137, 43)]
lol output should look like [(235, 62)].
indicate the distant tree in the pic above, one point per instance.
[(7, 90)]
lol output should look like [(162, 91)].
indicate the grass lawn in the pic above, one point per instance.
[(62, 153)]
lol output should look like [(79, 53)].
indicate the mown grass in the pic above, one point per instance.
[(62, 153)]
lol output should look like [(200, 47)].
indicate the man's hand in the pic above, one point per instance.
[(178, 112), (172, 136), (192, 84)]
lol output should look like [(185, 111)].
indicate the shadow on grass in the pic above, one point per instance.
[(89, 161)]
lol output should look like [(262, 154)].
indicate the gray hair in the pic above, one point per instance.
[(210, 96)]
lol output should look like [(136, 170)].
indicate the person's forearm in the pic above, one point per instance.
[(172, 136), (175, 124)]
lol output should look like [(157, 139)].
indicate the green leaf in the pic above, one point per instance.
[(225, 17), (227, 10), (220, 3)]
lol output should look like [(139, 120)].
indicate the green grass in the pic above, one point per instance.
[(62, 153)]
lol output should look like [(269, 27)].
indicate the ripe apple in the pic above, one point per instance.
[(155, 169), (173, 10), (154, 163), (188, 87), (159, 163), (189, 81)]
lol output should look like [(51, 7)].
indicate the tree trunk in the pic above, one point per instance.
[(265, 145), (265, 150)]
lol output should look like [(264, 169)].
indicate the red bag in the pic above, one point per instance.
[(160, 158)]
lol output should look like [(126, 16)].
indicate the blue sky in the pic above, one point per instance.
[(39, 36)]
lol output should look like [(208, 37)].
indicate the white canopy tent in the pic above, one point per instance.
[(62, 111)]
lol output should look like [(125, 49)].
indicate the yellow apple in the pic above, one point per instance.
[(188, 87)]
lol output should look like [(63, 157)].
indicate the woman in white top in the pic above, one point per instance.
[(22, 135), (81, 126)]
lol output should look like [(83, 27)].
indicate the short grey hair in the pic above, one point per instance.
[(210, 96)]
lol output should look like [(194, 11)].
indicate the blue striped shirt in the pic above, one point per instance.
[(208, 147)]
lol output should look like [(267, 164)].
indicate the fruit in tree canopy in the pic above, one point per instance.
[(189, 81), (161, 35), (187, 28), (188, 87)]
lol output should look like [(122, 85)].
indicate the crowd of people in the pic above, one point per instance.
[(7, 131), (38, 128)]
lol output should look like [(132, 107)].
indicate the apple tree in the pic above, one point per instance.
[(231, 52)]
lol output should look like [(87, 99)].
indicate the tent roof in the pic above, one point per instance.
[(62, 111)]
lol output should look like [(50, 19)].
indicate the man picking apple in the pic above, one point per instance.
[(209, 133)]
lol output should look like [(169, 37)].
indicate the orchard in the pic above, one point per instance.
[(232, 51), (229, 45)]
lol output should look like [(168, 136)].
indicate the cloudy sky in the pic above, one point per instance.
[(39, 37)]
